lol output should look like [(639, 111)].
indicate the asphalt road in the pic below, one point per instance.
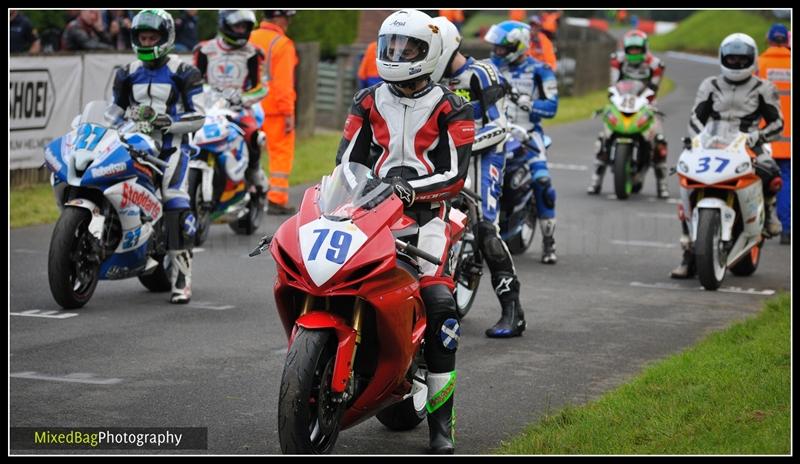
[(606, 310)]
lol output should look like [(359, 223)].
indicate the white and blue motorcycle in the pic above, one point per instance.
[(218, 190), (105, 174)]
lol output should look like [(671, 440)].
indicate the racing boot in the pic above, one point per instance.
[(687, 268), (548, 241), (512, 319), (661, 180), (772, 225), (441, 415), (180, 276), (599, 167), (597, 178)]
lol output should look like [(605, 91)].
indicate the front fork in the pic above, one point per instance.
[(348, 336)]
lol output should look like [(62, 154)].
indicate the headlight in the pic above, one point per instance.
[(743, 167), (682, 167)]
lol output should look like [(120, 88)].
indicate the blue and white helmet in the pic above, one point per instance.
[(511, 40)]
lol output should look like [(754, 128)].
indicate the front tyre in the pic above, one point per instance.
[(72, 270), (708, 248), (623, 176), (522, 240), (308, 418)]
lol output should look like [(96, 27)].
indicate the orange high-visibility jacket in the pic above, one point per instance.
[(542, 50), (368, 70), (281, 59), (550, 21), (517, 15), (455, 16), (775, 65)]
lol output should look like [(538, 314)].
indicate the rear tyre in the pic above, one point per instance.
[(748, 264)]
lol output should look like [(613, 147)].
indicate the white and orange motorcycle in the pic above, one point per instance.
[(722, 202)]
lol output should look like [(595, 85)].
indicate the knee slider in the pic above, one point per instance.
[(443, 330), (548, 193), (181, 227)]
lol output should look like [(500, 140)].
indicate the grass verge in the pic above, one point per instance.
[(703, 31), (729, 394)]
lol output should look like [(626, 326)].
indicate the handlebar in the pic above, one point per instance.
[(412, 250)]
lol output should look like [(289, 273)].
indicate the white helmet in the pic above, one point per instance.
[(451, 41), (737, 57), (409, 46)]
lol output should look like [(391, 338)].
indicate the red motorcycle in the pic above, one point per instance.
[(347, 292)]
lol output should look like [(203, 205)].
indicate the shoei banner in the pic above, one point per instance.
[(99, 72), (44, 95)]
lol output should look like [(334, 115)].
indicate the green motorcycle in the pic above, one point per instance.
[(628, 116)]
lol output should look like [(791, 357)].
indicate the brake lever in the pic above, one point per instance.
[(263, 245)]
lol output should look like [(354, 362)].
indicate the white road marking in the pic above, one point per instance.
[(209, 305), (643, 243), (77, 377), (25, 250), (665, 286), (568, 167), (692, 57), (198, 250), (42, 313)]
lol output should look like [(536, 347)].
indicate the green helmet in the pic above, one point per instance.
[(153, 20), (635, 45)]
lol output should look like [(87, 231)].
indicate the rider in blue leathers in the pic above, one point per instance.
[(173, 89), (533, 95), (480, 84)]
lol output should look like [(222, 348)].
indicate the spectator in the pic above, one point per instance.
[(455, 16), (86, 32), (550, 22), (541, 48), (517, 15), (368, 70), (23, 38), (119, 28), (775, 65), (278, 105), (186, 32)]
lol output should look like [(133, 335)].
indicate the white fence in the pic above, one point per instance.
[(46, 92)]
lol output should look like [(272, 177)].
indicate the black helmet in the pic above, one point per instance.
[(228, 19), (269, 14)]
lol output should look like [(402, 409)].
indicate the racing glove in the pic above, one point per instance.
[(403, 189)]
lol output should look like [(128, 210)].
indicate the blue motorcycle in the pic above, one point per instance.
[(105, 175), (518, 203), (517, 221)]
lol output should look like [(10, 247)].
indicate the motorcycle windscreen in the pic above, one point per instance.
[(350, 187), (719, 135), (630, 87)]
